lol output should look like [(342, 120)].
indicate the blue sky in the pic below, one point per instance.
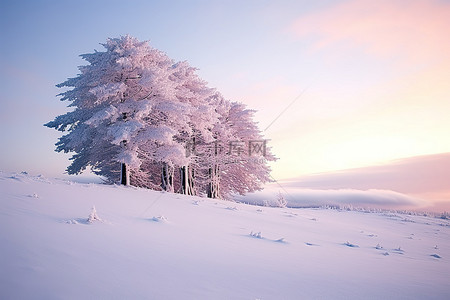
[(376, 73)]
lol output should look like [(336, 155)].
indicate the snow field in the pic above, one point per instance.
[(155, 245)]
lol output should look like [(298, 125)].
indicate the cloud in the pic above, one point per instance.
[(411, 183), (415, 175), (297, 197), (414, 30)]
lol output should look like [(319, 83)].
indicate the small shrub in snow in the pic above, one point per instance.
[(93, 216)]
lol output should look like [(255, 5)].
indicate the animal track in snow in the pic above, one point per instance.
[(310, 244), (258, 235), (399, 250), (93, 217), (232, 208), (280, 241)]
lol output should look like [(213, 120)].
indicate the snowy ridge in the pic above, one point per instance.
[(142, 244)]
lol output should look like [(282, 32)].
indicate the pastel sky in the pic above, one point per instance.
[(371, 78)]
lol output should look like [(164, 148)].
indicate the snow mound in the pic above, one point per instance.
[(256, 235), (160, 219)]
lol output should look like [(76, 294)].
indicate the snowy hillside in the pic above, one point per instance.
[(154, 245)]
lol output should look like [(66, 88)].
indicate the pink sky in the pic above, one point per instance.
[(351, 118), (357, 130), (376, 74)]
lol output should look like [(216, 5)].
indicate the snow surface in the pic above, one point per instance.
[(144, 244)]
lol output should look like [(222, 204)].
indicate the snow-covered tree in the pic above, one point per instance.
[(103, 96), (129, 108), (192, 91), (245, 169), (135, 113), (236, 161)]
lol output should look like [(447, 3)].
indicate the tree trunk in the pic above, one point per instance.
[(213, 185), (124, 174), (187, 180), (167, 178)]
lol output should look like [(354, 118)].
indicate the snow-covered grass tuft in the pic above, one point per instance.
[(348, 244), (256, 235)]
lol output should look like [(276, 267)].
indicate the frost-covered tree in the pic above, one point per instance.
[(135, 111), (192, 91), (245, 168), (130, 107), (236, 161)]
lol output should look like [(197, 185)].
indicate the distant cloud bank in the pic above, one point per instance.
[(297, 197), (417, 182)]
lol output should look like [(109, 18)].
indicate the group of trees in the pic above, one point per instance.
[(141, 119)]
